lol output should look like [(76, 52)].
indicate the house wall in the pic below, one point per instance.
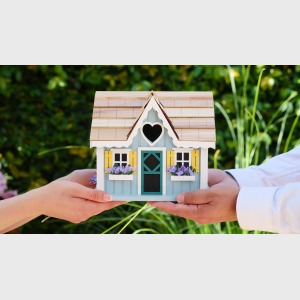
[(130, 188)]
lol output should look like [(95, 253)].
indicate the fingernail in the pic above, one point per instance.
[(107, 197), (180, 198)]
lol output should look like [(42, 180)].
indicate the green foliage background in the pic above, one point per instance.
[(45, 118)]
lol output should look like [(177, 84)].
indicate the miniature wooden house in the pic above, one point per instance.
[(151, 146)]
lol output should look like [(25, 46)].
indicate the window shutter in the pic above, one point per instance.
[(195, 160), (132, 159), (170, 158), (108, 160)]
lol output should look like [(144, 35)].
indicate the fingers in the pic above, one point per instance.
[(221, 199), (81, 176), (92, 194), (83, 210), (196, 197), (180, 210), (95, 208), (110, 205)]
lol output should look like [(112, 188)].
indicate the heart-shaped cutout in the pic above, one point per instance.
[(152, 132)]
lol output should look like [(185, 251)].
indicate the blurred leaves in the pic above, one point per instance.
[(50, 107)]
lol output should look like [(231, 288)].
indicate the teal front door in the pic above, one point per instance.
[(151, 163)]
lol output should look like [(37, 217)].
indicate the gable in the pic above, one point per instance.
[(152, 104)]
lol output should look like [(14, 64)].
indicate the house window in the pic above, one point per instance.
[(183, 157), (120, 157)]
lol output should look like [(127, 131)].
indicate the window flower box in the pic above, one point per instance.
[(120, 177), (121, 172), (182, 178)]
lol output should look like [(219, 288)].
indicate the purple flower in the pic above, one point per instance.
[(9, 194), (191, 172), (4, 193), (123, 169), (3, 185), (119, 170), (93, 179), (181, 171), (110, 170), (172, 169)]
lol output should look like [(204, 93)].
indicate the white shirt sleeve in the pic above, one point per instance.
[(277, 171), (269, 197)]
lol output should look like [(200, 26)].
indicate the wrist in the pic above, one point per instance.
[(34, 199)]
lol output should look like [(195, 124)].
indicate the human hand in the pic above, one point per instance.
[(73, 198), (207, 206)]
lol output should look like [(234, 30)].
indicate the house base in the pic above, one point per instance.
[(157, 198)]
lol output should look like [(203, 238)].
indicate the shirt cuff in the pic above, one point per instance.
[(245, 177), (254, 208)]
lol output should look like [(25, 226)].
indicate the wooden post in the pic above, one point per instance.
[(204, 168), (100, 169)]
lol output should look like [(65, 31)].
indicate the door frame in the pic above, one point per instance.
[(149, 153), (163, 175)]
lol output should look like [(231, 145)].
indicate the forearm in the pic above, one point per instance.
[(16, 225), (18, 210)]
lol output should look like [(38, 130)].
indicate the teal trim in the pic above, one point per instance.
[(156, 171)]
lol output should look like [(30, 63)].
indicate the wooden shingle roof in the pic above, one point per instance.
[(190, 114)]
